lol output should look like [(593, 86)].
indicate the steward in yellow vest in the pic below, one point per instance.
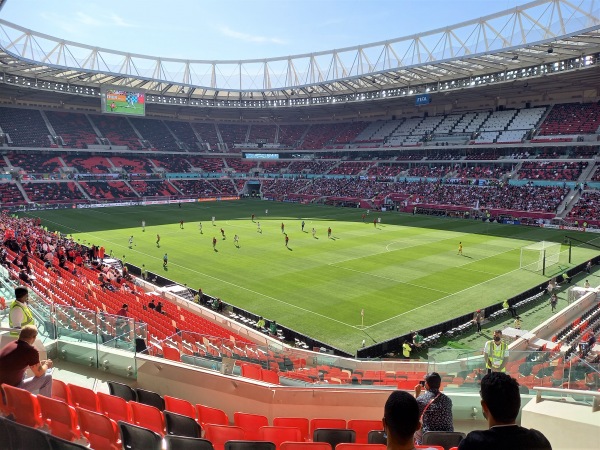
[(20, 314)]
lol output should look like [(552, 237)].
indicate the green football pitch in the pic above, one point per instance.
[(405, 273)]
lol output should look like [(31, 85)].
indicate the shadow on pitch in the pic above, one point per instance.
[(369, 336)]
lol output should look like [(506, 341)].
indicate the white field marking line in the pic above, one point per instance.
[(222, 281), (432, 242), (475, 270), (442, 298), (403, 248), (395, 281)]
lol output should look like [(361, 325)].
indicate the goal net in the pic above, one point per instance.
[(533, 256)]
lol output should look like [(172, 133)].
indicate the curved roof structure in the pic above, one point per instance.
[(536, 39)]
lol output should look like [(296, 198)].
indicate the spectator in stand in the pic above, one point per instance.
[(24, 277), (401, 420), (19, 355), (435, 408), (500, 402), (159, 308)]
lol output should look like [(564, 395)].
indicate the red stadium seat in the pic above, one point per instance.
[(219, 434), (101, 432), (213, 416), (277, 435), (60, 417), (250, 423), (23, 405), (148, 417), (297, 422), (362, 428), (114, 407), (179, 406)]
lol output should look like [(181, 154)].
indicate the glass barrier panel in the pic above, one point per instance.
[(76, 331), (118, 340)]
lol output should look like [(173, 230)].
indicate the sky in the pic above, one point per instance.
[(239, 29)]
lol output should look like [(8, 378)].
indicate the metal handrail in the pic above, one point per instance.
[(596, 395)]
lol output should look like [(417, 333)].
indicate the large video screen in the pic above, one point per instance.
[(123, 101)]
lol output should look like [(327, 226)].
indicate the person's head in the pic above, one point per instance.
[(500, 398), (497, 336), (28, 334), (433, 381), (400, 417), (22, 294), (125, 306)]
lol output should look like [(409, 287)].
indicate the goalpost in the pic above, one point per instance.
[(539, 256)]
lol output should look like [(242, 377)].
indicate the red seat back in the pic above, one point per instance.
[(326, 423), (305, 446), (277, 435), (269, 376), (114, 407), (251, 371), (179, 406), (219, 434), (83, 397), (101, 432), (250, 423), (60, 418), (148, 417), (298, 422), (208, 415), (23, 405), (362, 428), (60, 391)]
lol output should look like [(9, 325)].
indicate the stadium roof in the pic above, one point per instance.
[(534, 40)]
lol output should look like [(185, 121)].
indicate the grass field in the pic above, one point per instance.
[(404, 273)]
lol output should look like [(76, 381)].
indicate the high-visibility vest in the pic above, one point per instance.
[(27, 317), (496, 355)]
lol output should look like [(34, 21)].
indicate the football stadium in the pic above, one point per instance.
[(255, 254)]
